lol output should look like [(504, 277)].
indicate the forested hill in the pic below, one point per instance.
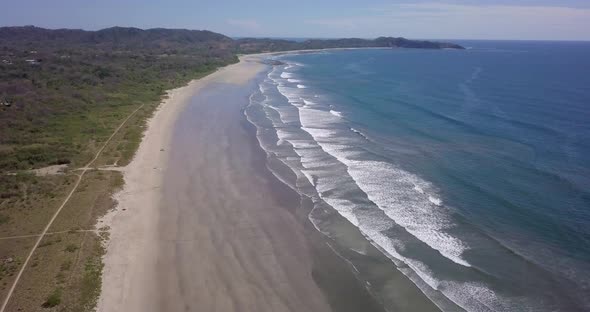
[(156, 40), (161, 40), (252, 45)]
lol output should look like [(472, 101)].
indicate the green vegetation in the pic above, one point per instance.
[(54, 299), (71, 248), (91, 283), (251, 45)]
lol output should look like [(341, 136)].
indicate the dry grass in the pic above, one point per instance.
[(65, 271), (68, 263), (29, 213)]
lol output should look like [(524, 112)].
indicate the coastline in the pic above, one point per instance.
[(259, 55), (275, 262)]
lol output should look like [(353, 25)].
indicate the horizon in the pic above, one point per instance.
[(526, 20)]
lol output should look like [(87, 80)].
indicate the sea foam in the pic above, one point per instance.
[(392, 189), (335, 113)]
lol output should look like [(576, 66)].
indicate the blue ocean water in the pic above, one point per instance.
[(471, 168)]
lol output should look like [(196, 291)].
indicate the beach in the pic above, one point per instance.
[(186, 170), (202, 225)]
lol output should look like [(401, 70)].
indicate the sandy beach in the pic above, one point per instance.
[(202, 225)]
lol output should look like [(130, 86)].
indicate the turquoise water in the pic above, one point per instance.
[(472, 168)]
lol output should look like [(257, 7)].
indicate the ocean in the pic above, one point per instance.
[(468, 169)]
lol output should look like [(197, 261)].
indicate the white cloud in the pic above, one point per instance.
[(440, 20)]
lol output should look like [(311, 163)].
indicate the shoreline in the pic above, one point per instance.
[(303, 271), (262, 54), (146, 168), (386, 277)]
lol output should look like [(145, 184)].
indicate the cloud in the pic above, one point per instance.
[(443, 20), (246, 24)]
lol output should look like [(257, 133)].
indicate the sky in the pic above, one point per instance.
[(418, 19)]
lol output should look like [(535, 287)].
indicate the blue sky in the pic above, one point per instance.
[(449, 19)]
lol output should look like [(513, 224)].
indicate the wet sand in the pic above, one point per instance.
[(202, 225)]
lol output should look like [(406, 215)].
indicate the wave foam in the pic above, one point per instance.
[(435, 200), (335, 113), (308, 102), (394, 191)]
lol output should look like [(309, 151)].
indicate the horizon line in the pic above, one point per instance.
[(300, 37)]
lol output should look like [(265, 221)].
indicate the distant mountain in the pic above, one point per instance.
[(10, 36), (161, 40), (158, 38), (252, 45), (115, 38), (414, 44)]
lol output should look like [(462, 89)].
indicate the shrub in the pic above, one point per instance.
[(53, 299), (71, 248)]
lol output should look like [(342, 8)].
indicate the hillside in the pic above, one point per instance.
[(156, 40), (252, 45)]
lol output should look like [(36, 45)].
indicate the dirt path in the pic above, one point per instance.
[(46, 229)]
